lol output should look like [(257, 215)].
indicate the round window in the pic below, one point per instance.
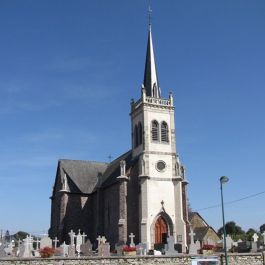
[(160, 165)]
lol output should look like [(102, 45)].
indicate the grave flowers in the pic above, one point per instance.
[(46, 252), (129, 251), (207, 249)]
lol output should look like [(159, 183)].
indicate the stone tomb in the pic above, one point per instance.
[(86, 248), (103, 247), (45, 242), (170, 246), (141, 249)]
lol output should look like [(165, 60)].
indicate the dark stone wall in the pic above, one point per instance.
[(133, 221)]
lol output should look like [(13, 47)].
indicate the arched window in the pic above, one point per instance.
[(155, 130), (135, 136), (164, 132), (140, 133)]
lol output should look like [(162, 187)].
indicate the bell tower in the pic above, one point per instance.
[(161, 175)]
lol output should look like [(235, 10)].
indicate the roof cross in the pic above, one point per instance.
[(149, 15)]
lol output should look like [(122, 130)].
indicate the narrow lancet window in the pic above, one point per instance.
[(135, 136), (155, 136), (140, 133), (164, 132)]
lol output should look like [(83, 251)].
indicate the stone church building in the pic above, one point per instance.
[(141, 192)]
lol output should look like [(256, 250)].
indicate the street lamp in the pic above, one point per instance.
[(223, 180)]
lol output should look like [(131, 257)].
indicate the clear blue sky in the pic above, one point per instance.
[(68, 70)]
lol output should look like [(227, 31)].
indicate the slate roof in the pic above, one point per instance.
[(82, 176), (113, 170)]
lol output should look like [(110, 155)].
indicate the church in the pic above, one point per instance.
[(142, 191)]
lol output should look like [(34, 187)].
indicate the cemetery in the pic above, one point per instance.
[(46, 250)]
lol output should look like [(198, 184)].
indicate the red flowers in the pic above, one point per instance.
[(46, 252), (207, 247), (128, 248)]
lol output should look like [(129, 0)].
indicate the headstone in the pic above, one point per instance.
[(72, 238), (37, 241), (84, 238), (71, 251), (55, 242), (65, 248), (141, 249), (86, 248), (118, 248), (9, 248), (131, 236), (254, 246), (192, 247), (229, 242), (45, 242), (2, 251), (171, 246), (198, 244), (26, 251), (255, 237), (79, 241)]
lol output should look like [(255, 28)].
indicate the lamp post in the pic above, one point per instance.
[(223, 180)]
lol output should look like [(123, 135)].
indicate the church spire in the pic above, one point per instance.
[(151, 84)]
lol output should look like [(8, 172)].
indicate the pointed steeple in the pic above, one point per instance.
[(151, 84)]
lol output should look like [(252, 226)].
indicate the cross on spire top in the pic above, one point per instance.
[(149, 15)]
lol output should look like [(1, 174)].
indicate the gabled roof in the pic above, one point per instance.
[(113, 170), (82, 176)]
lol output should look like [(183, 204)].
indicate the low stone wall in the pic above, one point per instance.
[(234, 259)]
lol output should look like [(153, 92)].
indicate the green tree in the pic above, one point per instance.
[(21, 235), (262, 228), (250, 234), (232, 229)]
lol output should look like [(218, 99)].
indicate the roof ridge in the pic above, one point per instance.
[(78, 160)]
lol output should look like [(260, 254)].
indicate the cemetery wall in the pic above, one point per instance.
[(234, 259)]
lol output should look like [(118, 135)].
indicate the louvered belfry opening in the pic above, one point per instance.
[(155, 127), (164, 132)]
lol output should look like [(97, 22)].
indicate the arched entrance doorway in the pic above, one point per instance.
[(161, 230)]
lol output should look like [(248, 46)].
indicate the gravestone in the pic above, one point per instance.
[(56, 241), (2, 251), (71, 251), (118, 248), (84, 238), (171, 246), (243, 247), (229, 242), (45, 242), (254, 243), (192, 247), (79, 241), (27, 247), (9, 248), (131, 236), (103, 247), (72, 237), (37, 241), (65, 248), (255, 237), (141, 249), (86, 248)]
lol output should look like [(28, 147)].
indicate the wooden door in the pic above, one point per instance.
[(161, 230)]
